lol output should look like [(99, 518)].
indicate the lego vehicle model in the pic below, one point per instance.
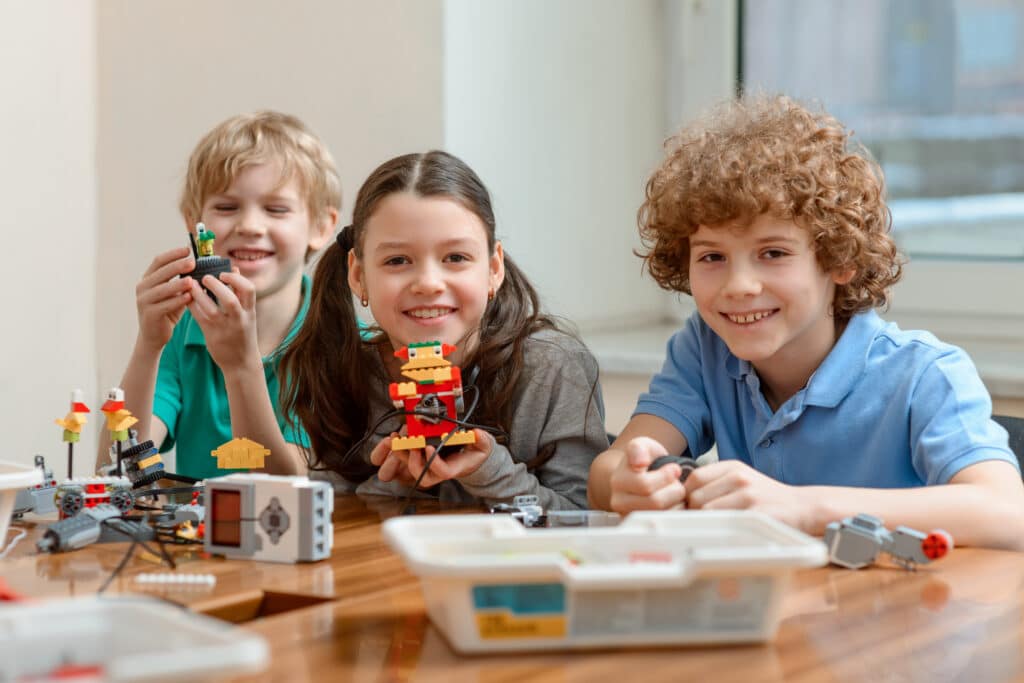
[(74, 494), (39, 497), (857, 541), (528, 511), (269, 517)]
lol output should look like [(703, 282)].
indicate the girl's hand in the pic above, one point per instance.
[(635, 488), (453, 465), (229, 325), (733, 485), (161, 296), (393, 465)]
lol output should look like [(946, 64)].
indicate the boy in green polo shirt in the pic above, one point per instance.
[(204, 369)]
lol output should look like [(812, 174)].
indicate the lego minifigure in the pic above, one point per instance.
[(435, 393), (72, 424)]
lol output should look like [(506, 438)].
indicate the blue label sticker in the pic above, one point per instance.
[(521, 598)]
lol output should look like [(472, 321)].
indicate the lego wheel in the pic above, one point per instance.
[(71, 503), (122, 500), (936, 544)]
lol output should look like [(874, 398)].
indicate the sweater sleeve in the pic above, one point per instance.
[(557, 430)]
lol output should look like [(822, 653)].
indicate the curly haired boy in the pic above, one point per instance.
[(776, 224)]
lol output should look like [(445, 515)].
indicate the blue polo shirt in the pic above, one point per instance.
[(887, 408), (192, 401)]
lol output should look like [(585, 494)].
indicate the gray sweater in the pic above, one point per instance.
[(557, 401)]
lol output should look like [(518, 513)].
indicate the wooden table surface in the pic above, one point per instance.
[(361, 616)]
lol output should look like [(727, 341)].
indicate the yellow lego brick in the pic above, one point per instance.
[(408, 443), (407, 388), (459, 438)]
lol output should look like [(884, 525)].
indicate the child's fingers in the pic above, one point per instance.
[(389, 469), (381, 450), (167, 265), (642, 451), (664, 499), (243, 288), (226, 299), (202, 306), (645, 483), (166, 291)]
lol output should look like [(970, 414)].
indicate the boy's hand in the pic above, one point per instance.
[(733, 485), (636, 488), (161, 297), (229, 325)]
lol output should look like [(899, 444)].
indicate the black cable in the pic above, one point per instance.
[(136, 541)]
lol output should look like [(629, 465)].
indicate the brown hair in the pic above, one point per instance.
[(770, 154), (259, 137), (327, 363)]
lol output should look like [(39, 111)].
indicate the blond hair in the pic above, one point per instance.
[(261, 137), (770, 154)]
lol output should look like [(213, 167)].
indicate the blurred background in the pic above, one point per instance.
[(561, 106)]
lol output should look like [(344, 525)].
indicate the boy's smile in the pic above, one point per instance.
[(761, 289)]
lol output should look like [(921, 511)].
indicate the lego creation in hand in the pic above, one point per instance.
[(72, 424), (207, 263), (241, 453), (431, 400), (856, 542)]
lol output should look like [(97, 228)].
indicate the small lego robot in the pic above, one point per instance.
[(207, 263), (431, 400), (119, 420), (856, 542), (526, 509)]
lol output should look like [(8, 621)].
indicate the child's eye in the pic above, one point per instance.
[(224, 208), (396, 261), (278, 209), (710, 258), (773, 253), (456, 258)]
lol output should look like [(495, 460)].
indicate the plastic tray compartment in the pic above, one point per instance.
[(128, 638), (13, 478), (658, 578)]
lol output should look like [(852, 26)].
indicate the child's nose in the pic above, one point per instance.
[(742, 281), (428, 280), (250, 222)]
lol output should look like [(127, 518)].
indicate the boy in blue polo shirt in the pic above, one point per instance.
[(268, 190), (819, 408)]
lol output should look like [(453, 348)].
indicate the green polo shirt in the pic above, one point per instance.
[(192, 401)]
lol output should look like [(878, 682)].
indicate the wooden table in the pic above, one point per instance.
[(361, 616)]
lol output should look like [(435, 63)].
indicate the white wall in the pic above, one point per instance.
[(48, 181), (559, 106), (365, 76)]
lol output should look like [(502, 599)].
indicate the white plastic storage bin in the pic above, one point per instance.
[(13, 478), (658, 578), (126, 638)]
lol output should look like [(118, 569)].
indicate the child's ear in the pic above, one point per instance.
[(843, 277), (355, 273), (322, 228), (497, 267)]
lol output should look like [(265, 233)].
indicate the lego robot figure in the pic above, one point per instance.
[(74, 495), (433, 398), (856, 542), (119, 420), (207, 263)]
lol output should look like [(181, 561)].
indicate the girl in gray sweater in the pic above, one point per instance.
[(422, 255)]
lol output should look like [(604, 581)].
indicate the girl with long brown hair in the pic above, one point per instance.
[(421, 254)]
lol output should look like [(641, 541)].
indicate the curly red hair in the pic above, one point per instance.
[(771, 154)]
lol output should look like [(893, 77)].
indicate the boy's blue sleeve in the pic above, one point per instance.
[(677, 393), (950, 420), (167, 396)]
